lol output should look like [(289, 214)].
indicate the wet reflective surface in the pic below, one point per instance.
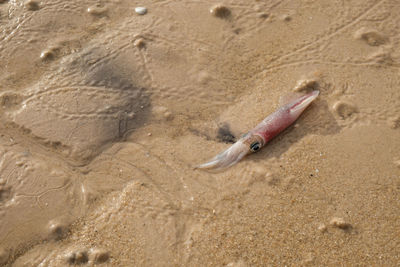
[(105, 112)]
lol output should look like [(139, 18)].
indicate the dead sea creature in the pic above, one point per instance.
[(262, 133)]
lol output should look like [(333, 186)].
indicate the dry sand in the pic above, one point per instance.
[(105, 112)]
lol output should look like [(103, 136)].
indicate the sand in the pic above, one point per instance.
[(106, 111)]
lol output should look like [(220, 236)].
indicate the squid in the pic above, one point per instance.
[(264, 132)]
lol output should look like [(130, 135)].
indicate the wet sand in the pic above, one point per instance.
[(105, 112)]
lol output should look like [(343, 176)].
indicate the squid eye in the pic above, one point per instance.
[(254, 147)]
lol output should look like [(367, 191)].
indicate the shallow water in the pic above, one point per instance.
[(105, 112)]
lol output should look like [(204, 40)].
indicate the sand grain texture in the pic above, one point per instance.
[(105, 112)]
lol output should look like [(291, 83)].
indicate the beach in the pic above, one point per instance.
[(107, 107)]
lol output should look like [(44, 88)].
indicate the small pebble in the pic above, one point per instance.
[(340, 223), (47, 54), (96, 10), (32, 5), (220, 11), (140, 10), (139, 43), (148, 134), (322, 228)]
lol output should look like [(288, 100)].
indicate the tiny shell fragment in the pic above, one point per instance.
[(340, 223), (140, 10)]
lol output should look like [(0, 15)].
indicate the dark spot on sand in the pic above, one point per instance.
[(225, 135)]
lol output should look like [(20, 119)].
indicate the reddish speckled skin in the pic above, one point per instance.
[(262, 133), (278, 121), (273, 125)]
